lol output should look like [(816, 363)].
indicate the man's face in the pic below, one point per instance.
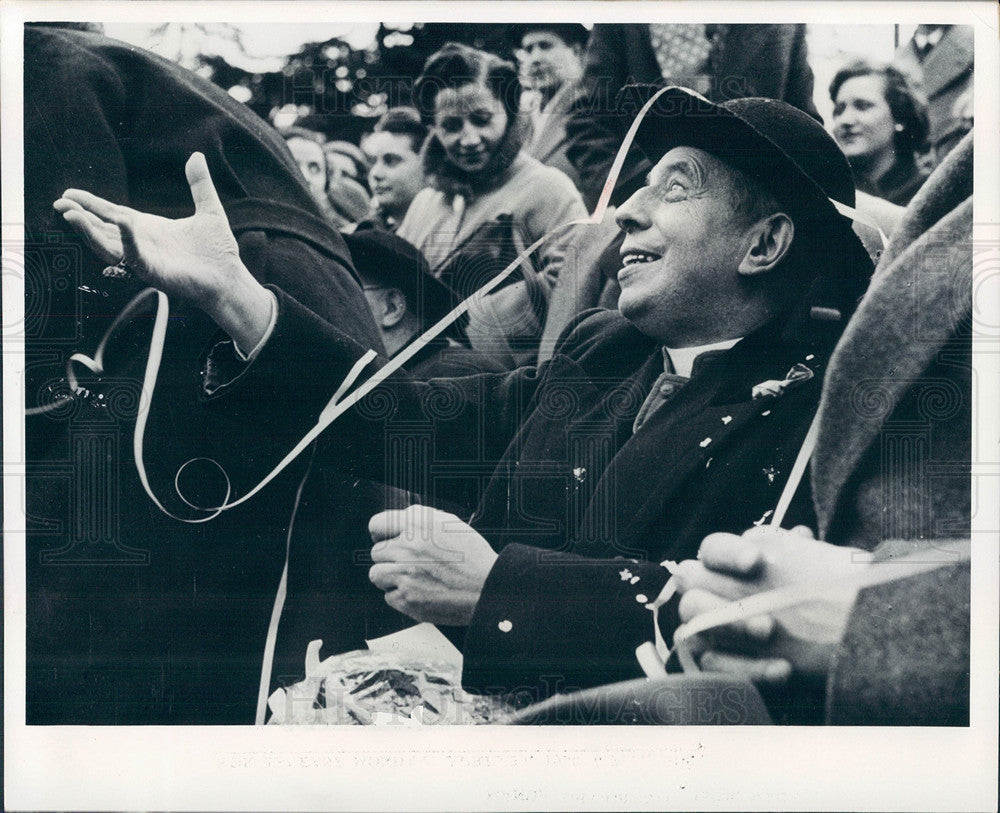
[(309, 156), (683, 246), (395, 175), (547, 62)]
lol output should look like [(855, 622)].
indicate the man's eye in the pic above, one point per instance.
[(675, 186), (481, 119), (451, 125), (391, 160), (838, 109)]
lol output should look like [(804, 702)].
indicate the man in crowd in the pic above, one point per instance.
[(550, 57), (940, 59), (679, 416), (396, 174)]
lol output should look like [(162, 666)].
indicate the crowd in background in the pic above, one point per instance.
[(430, 203), (459, 174)]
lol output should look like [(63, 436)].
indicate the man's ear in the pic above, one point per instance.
[(770, 239), (393, 308)]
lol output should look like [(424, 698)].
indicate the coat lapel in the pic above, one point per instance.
[(552, 132), (677, 441)]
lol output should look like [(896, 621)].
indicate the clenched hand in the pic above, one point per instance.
[(431, 564)]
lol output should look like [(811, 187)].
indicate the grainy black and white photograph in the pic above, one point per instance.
[(615, 377)]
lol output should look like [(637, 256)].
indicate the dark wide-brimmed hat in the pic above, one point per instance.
[(788, 153), (383, 258)]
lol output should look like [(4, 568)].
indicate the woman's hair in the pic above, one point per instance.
[(906, 105), (457, 65), (403, 121)]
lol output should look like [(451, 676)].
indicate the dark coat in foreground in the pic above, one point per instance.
[(570, 496), (134, 617)]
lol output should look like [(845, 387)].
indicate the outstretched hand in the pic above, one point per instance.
[(194, 258)]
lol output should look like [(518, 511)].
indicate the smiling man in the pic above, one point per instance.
[(651, 427)]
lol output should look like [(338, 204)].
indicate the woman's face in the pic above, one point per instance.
[(862, 122), (470, 123)]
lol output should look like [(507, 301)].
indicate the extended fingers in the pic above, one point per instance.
[(200, 181), (104, 209), (103, 238)]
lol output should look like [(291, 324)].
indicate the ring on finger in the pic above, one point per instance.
[(121, 271)]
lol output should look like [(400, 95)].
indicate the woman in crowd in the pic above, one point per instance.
[(487, 198), (880, 123), (396, 174)]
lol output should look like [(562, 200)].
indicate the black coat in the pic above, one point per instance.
[(748, 60), (562, 471), (133, 617)]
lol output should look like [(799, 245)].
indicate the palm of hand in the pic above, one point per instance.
[(195, 258), (188, 258)]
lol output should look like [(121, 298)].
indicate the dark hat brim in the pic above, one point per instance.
[(681, 117), (392, 261)]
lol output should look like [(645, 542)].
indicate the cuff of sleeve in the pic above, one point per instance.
[(549, 622), (248, 357)]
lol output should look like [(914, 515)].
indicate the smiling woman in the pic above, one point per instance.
[(881, 124), (487, 198)]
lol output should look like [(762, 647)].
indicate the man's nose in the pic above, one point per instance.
[(631, 215), (376, 173)]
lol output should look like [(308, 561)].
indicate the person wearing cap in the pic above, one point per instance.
[(550, 58), (679, 415), (405, 300)]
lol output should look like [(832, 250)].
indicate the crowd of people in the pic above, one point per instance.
[(709, 334)]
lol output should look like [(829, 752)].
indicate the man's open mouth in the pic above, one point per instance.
[(636, 257)]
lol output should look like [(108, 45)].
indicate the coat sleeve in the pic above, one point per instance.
[(551, 622), (281, 394), (904, 657)]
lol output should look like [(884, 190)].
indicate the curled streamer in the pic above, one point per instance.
[(378, 405), (443, 402)]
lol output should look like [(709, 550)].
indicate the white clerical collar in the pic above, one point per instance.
[(682, 358)]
